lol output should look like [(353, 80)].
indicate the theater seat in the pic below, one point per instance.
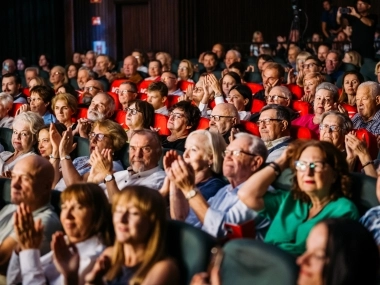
[(25, 91), (257, 105), (302, 107), (351, 110), (6, 139), (115, 98), (255, 87), (142, 96), (298, 132), (120, 117), (184, 84), (172, 100), (203, 124), (161, 121), (211, 104), (143, 86), (115, 85), (296, 90), (14, 109), (251, 127), (370, 140), (82, 113)]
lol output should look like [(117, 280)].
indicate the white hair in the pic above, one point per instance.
[(374, 88), (6, 100)]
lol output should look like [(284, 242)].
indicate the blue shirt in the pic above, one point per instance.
[(371, 220), (49, 118), (373, 126)]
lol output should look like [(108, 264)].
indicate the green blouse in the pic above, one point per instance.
[(290, 224)]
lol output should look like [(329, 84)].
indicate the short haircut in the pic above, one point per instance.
[(14, 75), (315, 59), (345, 122), (239, 66), (171, 72), (131, 84), (282, 112), (32, 68), (91, 74), (191, 112), (45, 92), (246, 92), (337, 52), (154, 138), (280, 69), (34, 121), (265, 57), (237, 53), (160, 87), (115, 131), (68, 98), (330, 87), (6, 100), (373, 87), (285, 91), (256, 145), (157, 61), (147, 111), (234, 75), (212, 54)]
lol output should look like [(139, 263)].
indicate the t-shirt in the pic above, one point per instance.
[(290, 224), (329, 17)]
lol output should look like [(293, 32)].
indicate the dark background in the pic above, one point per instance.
[(183, 28)]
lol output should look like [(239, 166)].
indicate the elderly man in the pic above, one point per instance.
[(127, 92), (144, 154), (274, 125), (102, 67), (6, 102), (84, 74), (91, 88), (29, 73), (224, 119), (231, 57), (11, 85), (293, 52), (243, 157), (130, 69), (334, 67), (368, 104), (32, 179), (90, 59), (273, 75)]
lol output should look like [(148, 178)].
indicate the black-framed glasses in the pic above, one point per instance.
[(217, 118), (236, 152), (124, 92), (55, 73), (99, 137), (176, 115), (316, 166), (309, 65), (332, 128), (30, 99), (90, 88), (275, 97), (132, 111), (267, 121)]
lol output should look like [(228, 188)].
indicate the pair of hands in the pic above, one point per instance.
[(62, 145), (354, 146), (101, 165)]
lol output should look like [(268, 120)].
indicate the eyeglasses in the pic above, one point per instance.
[(124, 92), (316, 166), (267, 122), (145, 149), (309, 65), (176, 115), (132, 111), (332, 128), (275, 97), (99, 137), (55, 73), (217, 118), (182, 68), (30, 99), (90, 88), (236, 153)]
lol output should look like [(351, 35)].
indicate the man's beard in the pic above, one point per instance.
[(94, 115)]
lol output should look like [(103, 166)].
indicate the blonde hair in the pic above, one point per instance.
[(69, 99), (152, 205), (115, 131), (356, 58), (318, 77), (303, 55), (34, 121), (189, 66), (62, 70)]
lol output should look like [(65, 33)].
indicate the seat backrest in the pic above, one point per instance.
[(172, 100), (115, 85), (184, 84), (351, 110), (82, 113), (14, 109), (82, 149), (298, 132), (5, 188), (6, 139), (25, 91), (120, 117), (190, 247), (302, 107), (257, 105), (253, 77), (142, 96), (296, 90), (203, 124), (251, 128), (161, 121), (370, 140), (143, 86), (248, 261), (255, 87), (115, 97)]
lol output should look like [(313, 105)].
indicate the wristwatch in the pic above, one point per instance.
[(191, 194), (68, 157), (108, 178)]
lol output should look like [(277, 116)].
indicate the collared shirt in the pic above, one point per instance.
[(6, 122), (30, 268), (20, 98), (153, 178), (49, 118), (226, 207), (373, 126), (163, 110), (178, 92), (275, 149), (371, 220)]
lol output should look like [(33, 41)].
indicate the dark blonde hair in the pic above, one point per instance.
[(115, 131), (152, 205), (70, 100), (91, 196)]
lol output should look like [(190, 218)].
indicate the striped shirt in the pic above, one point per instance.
[(373, 126)]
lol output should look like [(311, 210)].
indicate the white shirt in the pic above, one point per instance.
[(163, 111), (178, 92)]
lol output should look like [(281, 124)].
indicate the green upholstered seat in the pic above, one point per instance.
[(6, 139)]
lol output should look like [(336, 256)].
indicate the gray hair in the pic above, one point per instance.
[(329, 87), (373, 87), (32, 68), (345, 122), (90, 73), (285, 91), (238, 54), (34, 121), (256, 145), (6, 100), (110, 103)]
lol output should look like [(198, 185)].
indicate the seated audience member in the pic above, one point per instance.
[(201, 95), (72, 74), (102, 68), (25, 127), (321, 189), (348, 251), (6, 103), (90, 89), (239, 68), (241, 97), (58, 79), (45, 148), (183, 119), (273, 75), (224, 119), (231, 56), (185, 70), (154, 70), (90, 59), (323, 50), (31, 182), (336, 128), (39, 100), (297, 74), (228, 80), (243, 157), (37, 81), (170, 79), (210, 62), (310, 82), (144, 154), (367, 103), (101, 108), (377, 72), (157, 95), (274, 125), (219, 50), (293, 52), (127, 92), (8, 66), (165, 59), (105, 138), (11, 85), (353, 57), (85, 217), (140, 115), (261, 59), (312, 64), (65, 107), (139, 55), (351, 81), (203, 151), (138, 253), (325, 100), (334, 66), (130, 65), (29, 73), (84, 74)]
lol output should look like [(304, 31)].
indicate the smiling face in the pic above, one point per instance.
[(272, 130), (44, 146), (335, 137), (197, 152), (313, 260), (37, 104)]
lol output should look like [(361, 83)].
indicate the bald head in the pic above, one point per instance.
[(130, 66), (223, 117)]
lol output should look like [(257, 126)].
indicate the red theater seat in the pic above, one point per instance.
[(82, 113), (172, 100), (143, 86), (370, 141), (161, 121), (120, 117), (184, 84), (115, 85), (298, 132), (116, 100), (296, 90), (14, 109), (351, 110), (255, 87), (302, 107), (203, 124), (251, 128), (257, 105)]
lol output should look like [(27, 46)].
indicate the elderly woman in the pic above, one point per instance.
[(310, 82), (339, 251), (241, 97), (140, 115), (326, 98), (6, 103), (351, 81), (25, 127), (65, 106), (185, 70), (85, 217), (105, 138), (154, 70), (321, 189), (138, 255), (59, 80)]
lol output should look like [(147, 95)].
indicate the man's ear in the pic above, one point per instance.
[(285, 125), (256, 163), (377, 99), (163, 100), (234, 121)]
